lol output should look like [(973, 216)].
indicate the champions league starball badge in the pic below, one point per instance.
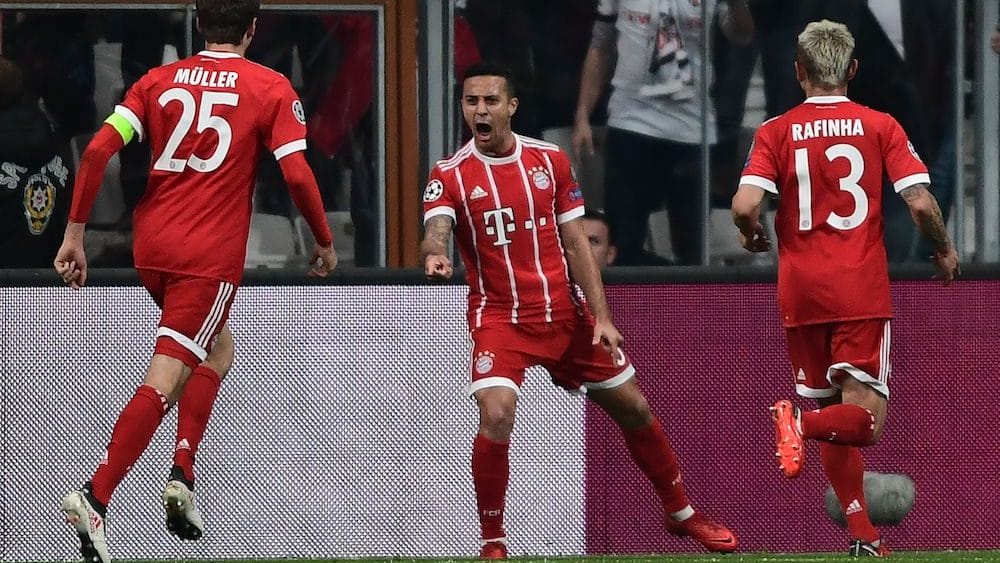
[(433, 190)]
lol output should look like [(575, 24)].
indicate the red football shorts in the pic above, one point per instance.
[(194, 309), (823, 354), (501, 353)]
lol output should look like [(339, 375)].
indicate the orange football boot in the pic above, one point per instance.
[(493, 550), (790, 447), (710, 534)]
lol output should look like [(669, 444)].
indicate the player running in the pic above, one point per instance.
[(208, 118), (826, 159)]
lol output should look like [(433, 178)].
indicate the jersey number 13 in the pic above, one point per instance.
[(848, 184)]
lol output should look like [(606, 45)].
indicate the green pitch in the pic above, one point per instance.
[(920, 557)]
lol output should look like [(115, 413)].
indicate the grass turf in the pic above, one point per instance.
[(915, 556)]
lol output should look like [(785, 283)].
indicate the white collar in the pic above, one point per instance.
[(512, 157), (826, 99), (219, 54)]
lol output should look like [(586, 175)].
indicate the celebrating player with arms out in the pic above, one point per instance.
[(516, 211), (208, 118), (826, 158)]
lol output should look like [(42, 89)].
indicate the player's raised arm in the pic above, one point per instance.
[(434, 247), (71, 259), (927, 215)]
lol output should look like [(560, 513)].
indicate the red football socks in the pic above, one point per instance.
[(845, 424), (651, 451), (193, 411), (131, 435), (490, 472), (846, 471)]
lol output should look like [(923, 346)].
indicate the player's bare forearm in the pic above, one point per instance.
[(746, 209), (584, 270), (927, 215), (592, 80), (74, 230), (745, 222), (437, 236)]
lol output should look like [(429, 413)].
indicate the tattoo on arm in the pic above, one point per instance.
[(929, 218), (913, 192), (437, 235)]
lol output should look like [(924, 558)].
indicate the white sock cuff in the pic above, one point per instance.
[(682, 514)]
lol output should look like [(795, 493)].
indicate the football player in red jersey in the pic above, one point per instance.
[(826, 158), (208, 117), (516, 211)]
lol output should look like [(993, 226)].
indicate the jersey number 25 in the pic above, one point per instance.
[(848, 184), (206, 120)]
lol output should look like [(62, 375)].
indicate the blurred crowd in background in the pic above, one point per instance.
[(616, 83)]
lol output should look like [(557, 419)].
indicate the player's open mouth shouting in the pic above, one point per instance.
[(484, 132)]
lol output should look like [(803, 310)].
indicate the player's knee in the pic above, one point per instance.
[(635, 413), (876, 436), (220, 359), (877, 426), (496, 418)]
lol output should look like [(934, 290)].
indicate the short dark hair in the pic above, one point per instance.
[(226, 21), (598, 215), (11, 83), (492, 68)]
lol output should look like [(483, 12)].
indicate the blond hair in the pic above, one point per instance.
[(825, 49)]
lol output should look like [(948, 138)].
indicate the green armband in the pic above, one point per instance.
[(121, 125)]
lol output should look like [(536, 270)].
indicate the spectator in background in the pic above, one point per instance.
[(337, 53), (907, 53), (654, 115), (601, 238), (776, 25), (56, 55), (34, 178)]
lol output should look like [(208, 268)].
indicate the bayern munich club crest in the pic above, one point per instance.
[(433, 190), (484, 362), (540, 177)]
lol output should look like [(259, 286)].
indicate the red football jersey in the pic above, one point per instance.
[(208, 117), (507, 212), (826, 159)]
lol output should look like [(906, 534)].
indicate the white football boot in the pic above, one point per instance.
[(183, 518), (88, 525)]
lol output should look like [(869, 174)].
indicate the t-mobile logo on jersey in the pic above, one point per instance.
[(499, 222)]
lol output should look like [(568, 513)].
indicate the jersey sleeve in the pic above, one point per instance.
[(902, 163), (438, 199), (133, 108), (569, 196), (284, 121), (761, 167)]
